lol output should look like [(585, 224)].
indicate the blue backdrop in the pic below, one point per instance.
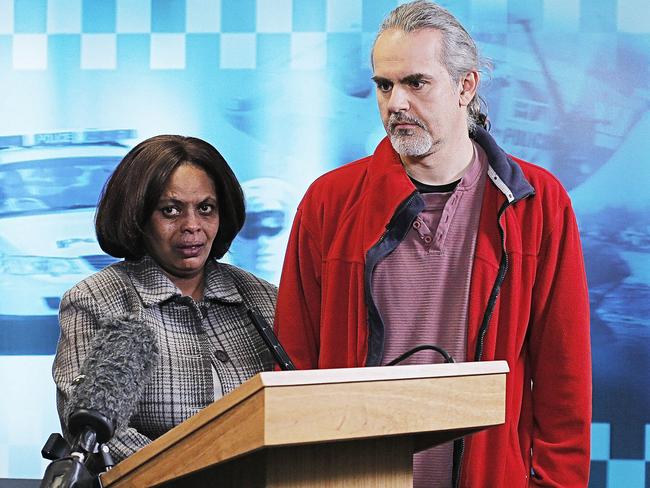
[(282, 88)]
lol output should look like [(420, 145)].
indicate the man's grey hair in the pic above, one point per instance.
[(459, 52)]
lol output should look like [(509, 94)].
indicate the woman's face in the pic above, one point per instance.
[(181, 230)]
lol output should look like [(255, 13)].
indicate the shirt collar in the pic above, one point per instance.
[(154, 286)]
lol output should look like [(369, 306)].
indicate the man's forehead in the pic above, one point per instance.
[(413, 51)]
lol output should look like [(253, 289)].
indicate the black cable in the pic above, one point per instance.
[(459, 444), (408, 354)]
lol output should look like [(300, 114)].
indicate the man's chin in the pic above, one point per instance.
[(411, 148)]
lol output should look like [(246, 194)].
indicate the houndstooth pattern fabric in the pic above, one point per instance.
[(194, 338)]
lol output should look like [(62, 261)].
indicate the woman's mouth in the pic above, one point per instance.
[(190, 250)]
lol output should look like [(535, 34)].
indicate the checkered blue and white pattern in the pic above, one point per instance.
[(609, 471), (162, 36), (243, 30), (303, 32)]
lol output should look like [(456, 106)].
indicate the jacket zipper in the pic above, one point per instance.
[(459, 444), (496, 288), (370, 302), (404, 204)]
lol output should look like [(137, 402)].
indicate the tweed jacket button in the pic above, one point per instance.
[(79, 379), (222, 356), (204, 311)]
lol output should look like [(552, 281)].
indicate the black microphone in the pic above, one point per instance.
[(112, 379), (271, 340)]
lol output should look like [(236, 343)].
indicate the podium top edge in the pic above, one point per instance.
[(380, 373)]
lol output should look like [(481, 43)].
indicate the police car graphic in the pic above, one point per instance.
[(49, 187)]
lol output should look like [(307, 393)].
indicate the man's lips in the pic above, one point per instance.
[(405, 124)]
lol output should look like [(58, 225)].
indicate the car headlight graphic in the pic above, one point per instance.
[(38, 265)]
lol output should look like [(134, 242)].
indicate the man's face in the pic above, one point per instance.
[(421, 107)]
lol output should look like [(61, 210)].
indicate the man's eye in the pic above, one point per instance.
[(384, 87), (417, 84)]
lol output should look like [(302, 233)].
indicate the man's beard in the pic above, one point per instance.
[(408, 142)]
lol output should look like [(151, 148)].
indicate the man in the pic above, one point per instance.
[(442, 238)]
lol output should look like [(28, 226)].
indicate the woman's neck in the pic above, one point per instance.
[(192, 286)]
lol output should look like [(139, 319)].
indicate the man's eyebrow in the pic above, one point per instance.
[(414, 77), (407, 79)]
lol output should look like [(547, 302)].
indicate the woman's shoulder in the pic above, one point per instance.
[(255, 293), (253, 290), (244, 278), (101, 284)]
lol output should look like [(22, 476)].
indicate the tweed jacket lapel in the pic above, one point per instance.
[(220, 285)]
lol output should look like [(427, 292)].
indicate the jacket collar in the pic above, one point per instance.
[(155, 287), (504, 172)]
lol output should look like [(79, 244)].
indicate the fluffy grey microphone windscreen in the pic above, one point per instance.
[(115, 372)]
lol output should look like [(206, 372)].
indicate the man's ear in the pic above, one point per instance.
[(468, 87)]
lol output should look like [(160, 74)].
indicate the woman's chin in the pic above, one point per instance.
[(185, 268)]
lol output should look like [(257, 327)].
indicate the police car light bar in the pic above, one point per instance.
[(65, 138)]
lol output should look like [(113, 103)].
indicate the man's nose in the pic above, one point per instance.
[(399, 100)]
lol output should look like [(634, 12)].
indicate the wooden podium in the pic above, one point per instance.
[(354, 427)]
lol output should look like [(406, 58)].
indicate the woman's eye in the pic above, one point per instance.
[(170, 211), (206, 208)]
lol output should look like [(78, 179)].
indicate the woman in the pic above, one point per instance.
[(171, 209)]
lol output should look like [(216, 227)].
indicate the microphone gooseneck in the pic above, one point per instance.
[(271, 340)]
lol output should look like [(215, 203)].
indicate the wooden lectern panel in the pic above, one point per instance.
[(312, 413), (369, 463)]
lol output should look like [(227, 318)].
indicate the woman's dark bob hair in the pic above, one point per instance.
[(131, 194)]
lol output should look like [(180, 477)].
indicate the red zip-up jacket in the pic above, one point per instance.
[(528, 305)]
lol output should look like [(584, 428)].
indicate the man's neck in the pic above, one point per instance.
[(443, 166)]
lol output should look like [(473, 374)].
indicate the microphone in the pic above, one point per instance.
[(112, 378), (271, 340)]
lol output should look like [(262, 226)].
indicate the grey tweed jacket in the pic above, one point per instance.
[(194, 338)]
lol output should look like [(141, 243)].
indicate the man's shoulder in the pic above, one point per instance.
[(338, 185), (507, 167), (547, 186), (343, 176)]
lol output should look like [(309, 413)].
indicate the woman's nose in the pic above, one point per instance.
[(191, 222)]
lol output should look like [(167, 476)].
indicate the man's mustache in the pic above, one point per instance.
[(400, 118)]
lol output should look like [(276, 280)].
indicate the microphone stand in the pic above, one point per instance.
[(79, 465)]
